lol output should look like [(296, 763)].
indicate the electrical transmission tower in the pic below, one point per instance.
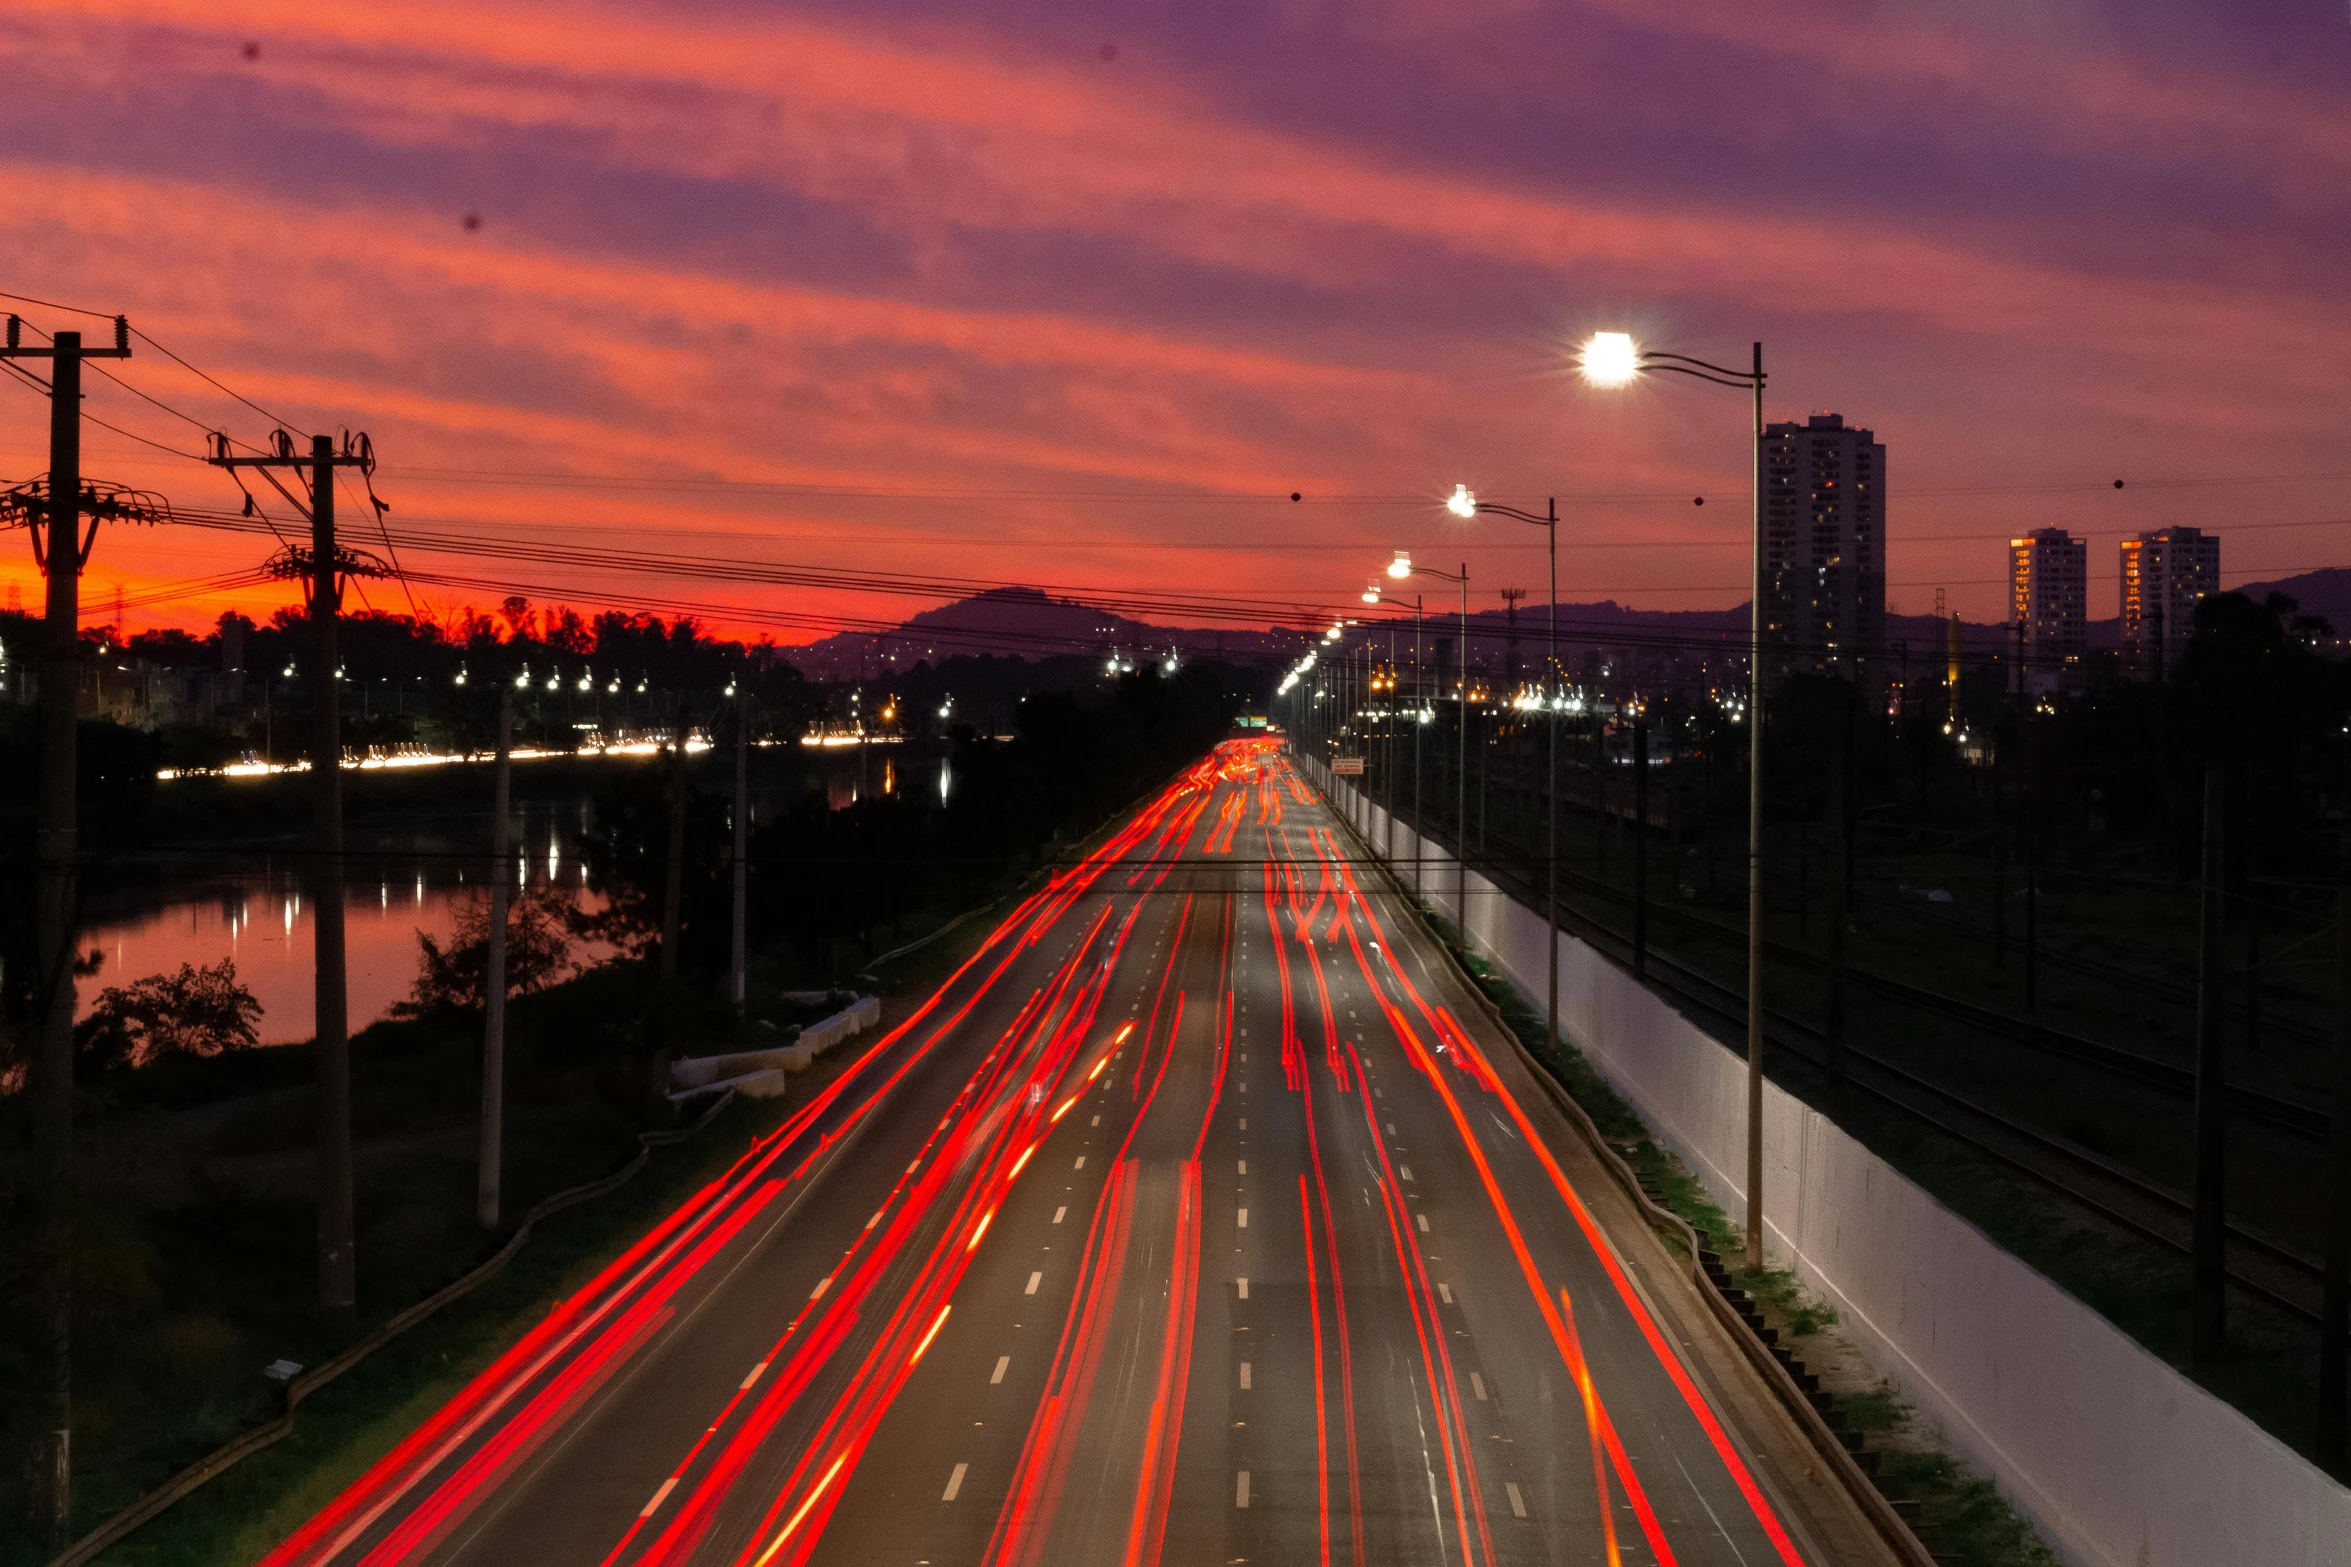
[(323, 569), (52, 508)]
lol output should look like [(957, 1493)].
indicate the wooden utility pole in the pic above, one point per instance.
[(323, 569), (493, 1144), (739, 957), (58, 504), (673, 886)]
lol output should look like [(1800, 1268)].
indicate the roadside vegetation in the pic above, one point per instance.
[(194, 1261)]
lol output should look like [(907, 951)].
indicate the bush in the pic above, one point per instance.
[(195, 1012), (538, 954)]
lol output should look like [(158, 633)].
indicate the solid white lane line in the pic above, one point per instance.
[(955, 1484), (1081, 1164), (1244, 1289), (756, 1372), (1003, 1363), (1244, 1376), (1035, 1279), (1058, 1212), (822, 1285), (1518, 1506), (1477, 1385), (1424, 1222), (1445, 1293), (1244, 1218), (1241, 1489), (660, 1496)]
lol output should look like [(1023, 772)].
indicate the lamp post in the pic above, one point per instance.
[(1400, 567), (1613, 359), (1464, 503)]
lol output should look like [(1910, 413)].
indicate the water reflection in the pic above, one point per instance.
[(255, 908)]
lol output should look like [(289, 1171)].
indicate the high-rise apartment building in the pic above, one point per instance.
[(1824, 538), (2164, 575), (2048, 600)]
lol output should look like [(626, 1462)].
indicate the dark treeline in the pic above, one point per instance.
[(830, 888)]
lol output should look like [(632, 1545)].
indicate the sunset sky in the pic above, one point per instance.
[(1078, 295)]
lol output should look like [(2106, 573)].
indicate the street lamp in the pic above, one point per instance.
[(1613, 359), (1402, 566), (1464, 503)]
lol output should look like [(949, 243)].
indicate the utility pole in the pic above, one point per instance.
[(674, 882), (2334, 1311), (323, 569), (60, 502), (494, 977), (1640, 848), (742, 867), (2208, 1280)]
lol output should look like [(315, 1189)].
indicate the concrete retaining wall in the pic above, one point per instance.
[(2119, 1459)]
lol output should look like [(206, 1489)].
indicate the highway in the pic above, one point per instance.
[(1199, 1218)]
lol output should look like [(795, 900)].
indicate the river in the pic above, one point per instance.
[(405, 878)]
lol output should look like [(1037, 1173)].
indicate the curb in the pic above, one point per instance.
[(237, 1449), (1781, 1372)]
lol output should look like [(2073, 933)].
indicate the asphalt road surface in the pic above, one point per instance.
[(1200, 1218)]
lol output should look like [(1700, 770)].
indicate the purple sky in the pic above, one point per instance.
[(1070, 295)]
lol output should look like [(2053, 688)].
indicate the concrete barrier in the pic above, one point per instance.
[(2117, 1458), (742, 1069)]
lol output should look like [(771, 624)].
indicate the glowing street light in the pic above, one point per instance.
[(1610, 359), (1614, 359), (1371, 592), (1463, 502), (1401, 566)]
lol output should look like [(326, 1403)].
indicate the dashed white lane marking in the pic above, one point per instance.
[(1097, 1120), (1477, 1385), (1391, 1128), (822, 1285), (1081, 1164), (1035, 1279), (1445, 1293), (1424, 1222), (1244, 1218), (1244, 1376), (1244, 1123), (1518, 1506), (1241, 1489), (1244, 1283), (1003, 1363), (1406, 1169), (661, 1495), (756, 1372), (955, 1484), (1244, 1167), (876, 1219), (1058, 1212)]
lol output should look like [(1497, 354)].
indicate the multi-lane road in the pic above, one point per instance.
[(1199, 1218)]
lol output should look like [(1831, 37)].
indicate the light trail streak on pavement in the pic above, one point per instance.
[(1070, 1268)]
